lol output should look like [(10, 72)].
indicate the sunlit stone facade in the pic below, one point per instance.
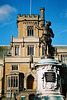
[(17, 73)]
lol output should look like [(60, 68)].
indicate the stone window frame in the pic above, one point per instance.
[(29, 52), (30, 44), (30, 30), (63, 58), (12, 85), (17, 50), (8, 94), (10, 90), (14, 64), (15, 67)]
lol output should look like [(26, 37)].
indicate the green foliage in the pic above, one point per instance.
[(4, 50)]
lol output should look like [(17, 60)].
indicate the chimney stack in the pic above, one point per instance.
[(42, 16)]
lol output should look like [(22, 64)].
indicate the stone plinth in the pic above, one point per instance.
[(48, 78)]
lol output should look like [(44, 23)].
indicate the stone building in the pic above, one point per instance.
[(17, 59)]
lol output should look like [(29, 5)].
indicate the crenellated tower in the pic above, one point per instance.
[(27, 22)]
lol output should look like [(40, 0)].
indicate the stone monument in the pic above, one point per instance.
[(48, 69)]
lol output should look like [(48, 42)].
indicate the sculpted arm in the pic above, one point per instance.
[(39, 28)]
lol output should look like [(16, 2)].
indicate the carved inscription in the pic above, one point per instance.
[(50, 76)]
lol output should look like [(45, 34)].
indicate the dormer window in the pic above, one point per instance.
[(30, 31)]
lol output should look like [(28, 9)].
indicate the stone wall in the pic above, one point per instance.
[(26, 94)]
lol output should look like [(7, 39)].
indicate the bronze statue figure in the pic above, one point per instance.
[(46, 37)]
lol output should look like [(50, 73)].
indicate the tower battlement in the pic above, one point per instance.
[(32, 17), (28, 16)]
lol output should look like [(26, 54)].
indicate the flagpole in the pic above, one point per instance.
[(30, 7)]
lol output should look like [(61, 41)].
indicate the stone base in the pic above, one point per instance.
[(50, 97)]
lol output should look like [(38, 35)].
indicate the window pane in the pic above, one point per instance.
[(8, 81), (16, 81), (11, 81), (64, 58), (17, 50), (15, 67), (11, 94), (30, 50), (30, 31)]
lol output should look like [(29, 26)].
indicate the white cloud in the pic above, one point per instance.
[(63, 31), (8, 23), (5, 11)]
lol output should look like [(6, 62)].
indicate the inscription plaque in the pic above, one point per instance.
[(50, 76)]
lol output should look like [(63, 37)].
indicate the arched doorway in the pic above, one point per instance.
[(30, 82), (31, 97)]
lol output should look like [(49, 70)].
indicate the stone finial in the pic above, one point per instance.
[(42, 16), (42, 8)]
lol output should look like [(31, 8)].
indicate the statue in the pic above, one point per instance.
[(46, 37)]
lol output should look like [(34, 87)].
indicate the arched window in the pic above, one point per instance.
[(30, 82), (30, 31)]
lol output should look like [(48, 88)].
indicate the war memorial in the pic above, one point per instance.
[(48, 69)]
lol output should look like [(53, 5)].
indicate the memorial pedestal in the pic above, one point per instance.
[(48, 79)]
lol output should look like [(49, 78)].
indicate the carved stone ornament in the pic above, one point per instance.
[(49, 77)]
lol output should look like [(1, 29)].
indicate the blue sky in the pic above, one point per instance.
[(55, 11)]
